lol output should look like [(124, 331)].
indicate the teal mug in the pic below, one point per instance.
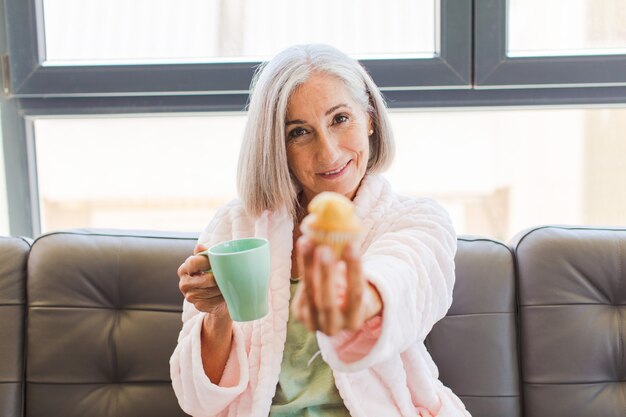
[(242, 271)]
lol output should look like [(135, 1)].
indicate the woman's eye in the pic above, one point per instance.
[(298, 131), (341, 118)]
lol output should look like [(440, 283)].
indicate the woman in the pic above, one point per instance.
[(317, 122)]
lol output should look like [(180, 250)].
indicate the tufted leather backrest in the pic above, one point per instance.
[(104, 312), (475, 345), (572, 295), (13, 255)]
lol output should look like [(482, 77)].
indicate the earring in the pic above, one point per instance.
[(370, 132)]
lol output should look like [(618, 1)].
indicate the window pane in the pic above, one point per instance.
[(575, 27), (161, 173), (92, 32), (501, 171), (496, 171)]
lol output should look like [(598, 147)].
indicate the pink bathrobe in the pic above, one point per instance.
[(382, 370)]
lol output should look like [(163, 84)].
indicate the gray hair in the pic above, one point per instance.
[(264, 181)]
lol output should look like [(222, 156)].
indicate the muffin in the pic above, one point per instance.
[(331, 221)]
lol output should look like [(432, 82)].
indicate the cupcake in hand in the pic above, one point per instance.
[(331, 221)]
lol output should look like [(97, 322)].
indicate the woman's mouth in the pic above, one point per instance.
[(335, 172)]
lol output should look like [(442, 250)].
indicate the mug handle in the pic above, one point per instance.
[(205, 253)]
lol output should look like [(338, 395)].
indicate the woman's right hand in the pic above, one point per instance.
[(200, 289), (199, 286)]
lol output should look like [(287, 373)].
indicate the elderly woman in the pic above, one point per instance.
[(317, 122)]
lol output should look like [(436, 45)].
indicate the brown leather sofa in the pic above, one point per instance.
[(88, 320)]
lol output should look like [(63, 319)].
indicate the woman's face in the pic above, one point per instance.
[(327, 137)]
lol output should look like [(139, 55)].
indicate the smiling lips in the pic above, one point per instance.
[(336, 172)]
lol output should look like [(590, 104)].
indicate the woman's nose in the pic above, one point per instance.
[(327, 147)]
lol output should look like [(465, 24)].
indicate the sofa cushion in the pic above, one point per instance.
[(104, 312), (572, 295), (13, 256), (475, 345)]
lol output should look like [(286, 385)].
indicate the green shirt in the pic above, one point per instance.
[(306, 386)]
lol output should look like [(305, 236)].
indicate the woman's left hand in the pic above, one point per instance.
[(332, 295)]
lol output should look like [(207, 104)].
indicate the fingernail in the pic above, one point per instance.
[(324, 255), (304, 243)]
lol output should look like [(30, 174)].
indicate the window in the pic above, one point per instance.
[(546, 28), (92, 32), (501, 171), (214, 46), (158, 173), (530, 43), (482, 78), (496, 171)]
